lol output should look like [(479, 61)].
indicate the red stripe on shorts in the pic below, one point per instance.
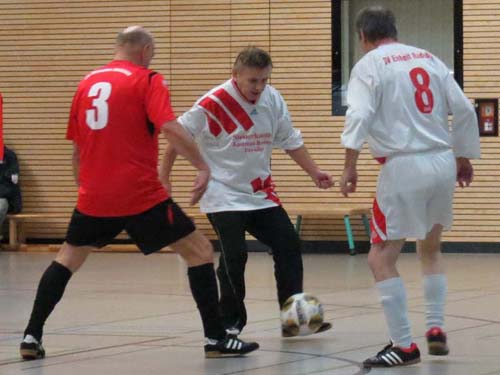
[(378, 218), (170, 215)]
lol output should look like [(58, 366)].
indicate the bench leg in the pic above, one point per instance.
[(13, 234), (350, 238), (21, 234), (298, 224), (366, 223)]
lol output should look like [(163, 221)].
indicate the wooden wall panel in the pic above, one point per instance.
[(301, 49), (477, 208), (46, 47), (201, 49)]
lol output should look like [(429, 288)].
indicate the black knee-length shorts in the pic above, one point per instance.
[(150, 230)]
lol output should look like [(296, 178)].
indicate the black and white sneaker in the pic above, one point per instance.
[(392, 356), (230, 346), (31, 348)]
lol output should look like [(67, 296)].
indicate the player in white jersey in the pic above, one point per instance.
[(236, 126), (399, 98)]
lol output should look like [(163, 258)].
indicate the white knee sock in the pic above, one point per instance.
[(435, 290), (393, 297)]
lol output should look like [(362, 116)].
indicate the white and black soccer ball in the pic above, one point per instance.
[(301, 314)]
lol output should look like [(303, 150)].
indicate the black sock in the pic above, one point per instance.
[(50, 291), (205, 293)]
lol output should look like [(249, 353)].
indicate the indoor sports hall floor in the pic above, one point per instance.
[(129, 314)]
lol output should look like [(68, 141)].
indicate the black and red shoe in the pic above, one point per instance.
[(436, 341), (392, 356)]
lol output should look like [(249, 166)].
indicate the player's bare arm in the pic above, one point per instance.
[(465, 172), (349, 178), (75, 161), (301, 156), (166, 165), (185, 145)]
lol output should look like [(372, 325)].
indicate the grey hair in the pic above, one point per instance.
[(376, 23)]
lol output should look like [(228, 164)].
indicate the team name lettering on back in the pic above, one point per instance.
[(406, 57)]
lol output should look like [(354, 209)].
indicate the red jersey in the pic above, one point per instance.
[(115, 119)]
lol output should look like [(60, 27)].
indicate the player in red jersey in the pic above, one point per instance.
[(117, 114)]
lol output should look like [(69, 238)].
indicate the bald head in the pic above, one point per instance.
[(135, 36), (135, 44)]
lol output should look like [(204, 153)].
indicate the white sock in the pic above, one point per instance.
[(435, 290), (393, 297)]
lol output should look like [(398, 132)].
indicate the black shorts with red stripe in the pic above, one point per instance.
[(151, 230)]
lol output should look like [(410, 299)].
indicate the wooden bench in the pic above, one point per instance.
[(324, 211), (329, 211), (17, 234)]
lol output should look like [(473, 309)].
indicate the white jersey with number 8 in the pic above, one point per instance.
[(399, 99)]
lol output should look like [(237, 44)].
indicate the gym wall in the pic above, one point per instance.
[(47, 47)]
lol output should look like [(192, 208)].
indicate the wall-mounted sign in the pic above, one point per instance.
[(487, 116)]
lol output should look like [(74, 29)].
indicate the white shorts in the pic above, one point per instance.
[(414, 192)]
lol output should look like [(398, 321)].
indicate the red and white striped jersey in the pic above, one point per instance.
[(399, 98), (236, 139)]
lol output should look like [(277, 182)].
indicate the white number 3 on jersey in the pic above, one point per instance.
[(97, 117)]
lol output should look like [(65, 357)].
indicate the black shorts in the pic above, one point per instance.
[(150, 230)]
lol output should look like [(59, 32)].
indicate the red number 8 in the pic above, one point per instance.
[(421, 80)]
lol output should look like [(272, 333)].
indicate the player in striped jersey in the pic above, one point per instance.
[(236, 126), (399, 98)]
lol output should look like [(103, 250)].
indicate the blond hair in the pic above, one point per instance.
[(252, 57)]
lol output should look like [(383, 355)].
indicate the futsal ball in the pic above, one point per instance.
[(301, 314)]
